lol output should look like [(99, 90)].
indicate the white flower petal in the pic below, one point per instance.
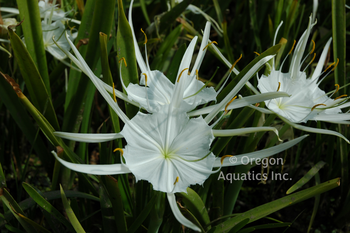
[(88, 137), (237, 88), (315, 130), (178, 215), (235, 132), (107, 169), (242, 102), (321, 61), (243, 158)]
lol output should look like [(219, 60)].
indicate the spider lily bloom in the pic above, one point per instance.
[(46, 10), (307, 101), (56, 30), (166, 148), (160, 89)]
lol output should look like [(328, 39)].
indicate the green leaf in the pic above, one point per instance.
[(43, 203), (70, 214), (239, 226), (22, 118), (196, 206), (143, 214), (31, 26), (271, 207), (144, 11), (311, 173), (169, 18), (175, 63), (126, 50), (112, 189), (38, 91), (15, 209)]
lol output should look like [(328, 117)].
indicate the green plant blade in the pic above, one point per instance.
[(167, 20), (41, 201), (31, 26), (15, 209), (38, 91), (271, 207), (70, 214), (311, 173), (196, 206)]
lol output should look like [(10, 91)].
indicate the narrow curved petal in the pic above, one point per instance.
[(237, 88), (321, 61), (314, 130), (178, 215), (251, 157), (235, 132), (80, 62), (138, 54), (262, 110), (88, 137), (242, 102), (9, 10), (107, 169)]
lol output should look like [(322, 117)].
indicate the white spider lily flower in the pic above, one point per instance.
[(307, 101), (57, 32), (47, 10), (5, 23), (160, 90), (166, 148)]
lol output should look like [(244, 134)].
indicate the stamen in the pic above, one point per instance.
[(292, 47), (210, 44), (145, 36), (336, 64), (329, 67), (234, 64), (223, 157), (337, 85), (257, 104), (176, 180), (229, 103), (313, 46), (312, 60), (120, 150), (340, 97), (145, 79), (115, 99), (257, 53), (279, 85), (181, 74), (197, 76), (316, 106), (123, 58)]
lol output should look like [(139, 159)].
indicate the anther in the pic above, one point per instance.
[(197, 76), (123, 58), (313, 46), (316, 106), (213, 42), (120, 150), (336, 64), (234, 64), (223, 157), (257, 53), (229, 103), (312, 60), (337, 85), (145, 78), (292, 47), (145, 36), (176, 180), (279, 85), (181, 74), (115, 99), (329, 67), (340, 97), (257, 104)]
